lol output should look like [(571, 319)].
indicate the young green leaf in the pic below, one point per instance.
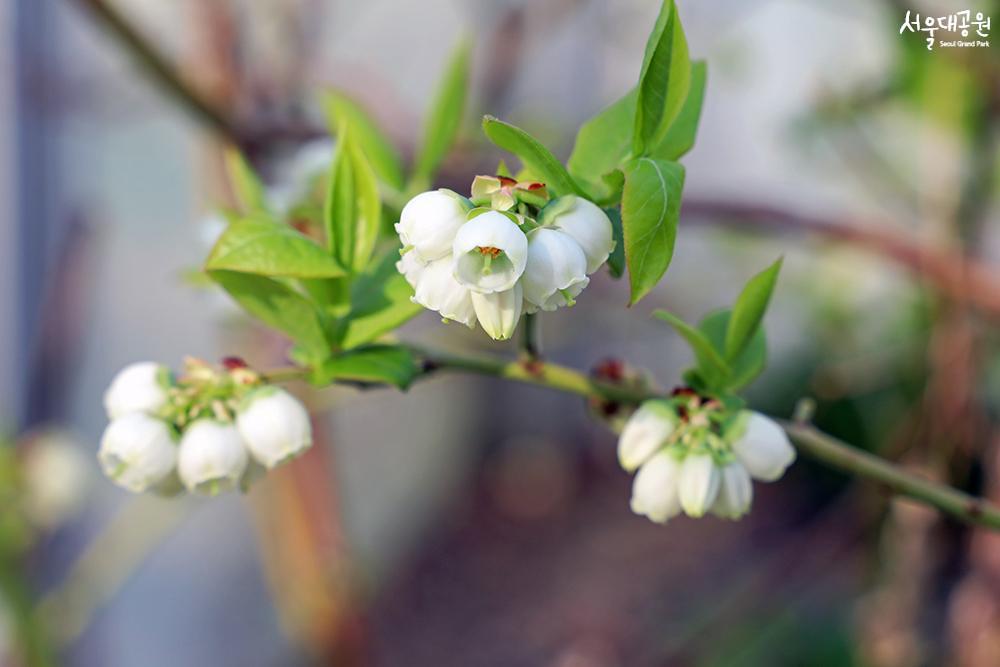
[(246, 185), (270, 249), (352, 209), (711, 366), (536, 157), (445, 117), (681, 134), (616, 261), (279, 307), (651, 202), (603, 141), (342, 111), (749, 363), (663, 81), (380, 302), (749, 309), (375, 364)]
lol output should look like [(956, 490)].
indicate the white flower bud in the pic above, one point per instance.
[(654, 491), (763, 447), (590, 227), (499, 312), (645, 433), (212, 457), (429, 221), (735, 492), (490, 252), (137, 451), (139, 387), (698, 485), (56, 477), (435, 287), (556, 270), (275, 426)]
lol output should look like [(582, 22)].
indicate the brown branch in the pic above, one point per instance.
[(953, 274)]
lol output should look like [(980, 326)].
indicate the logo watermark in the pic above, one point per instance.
[(960, 24)]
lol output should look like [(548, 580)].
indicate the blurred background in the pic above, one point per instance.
[(471, 522)]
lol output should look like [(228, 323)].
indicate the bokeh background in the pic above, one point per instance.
[(470, 522)]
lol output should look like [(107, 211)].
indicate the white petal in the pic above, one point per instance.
[(428, 223), (498, 312), (699, 484), (139, 387), (489, 230), (275, 426), (591, 228), (764, 448), (437, 289), (137, 451), (645, 433), (654, 491), (556, 269), (735, 492), (411, 266), (212, 457)]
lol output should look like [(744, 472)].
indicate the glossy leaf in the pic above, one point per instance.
[(374, 364), (270, 249), (651, 201), (710, 364), (352, 209), (663, 81), (681, 134), (247, 186), (616, 261), (749, 363), (540, 163), (380, 303), (342, 111), (603, 141), (749, 309), (445, 117)]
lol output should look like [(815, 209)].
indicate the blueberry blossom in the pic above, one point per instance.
[(698, 484), (435, 287), (646, 433), (654, 491), (587, 224), (499, 312), (556, 270), (137, 451), (212, 457), (429, 222), (139, 387), (763, 447), (490, 252), (735, 492), (274, 425)]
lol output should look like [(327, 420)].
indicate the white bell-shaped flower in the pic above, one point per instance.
[(429, 221), (654, 491), (698, 485), (410, 266), (590, 227), (212, 457), (139, 387), (499, 312), (435, 287), (763, 447), (735, 492), (645, 433), (275, 426), (556, 270), (137, 451), (490, 253)]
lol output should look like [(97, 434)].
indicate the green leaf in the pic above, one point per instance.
[(278, 306), (651, 201), (270, 249), (536, 157), (711, 366), (377, 364), (681, 134), (445, 117), (352, 209), (616, 261), (247, 186), (749, 363), (380, 302), (342, 111), (749, 309), (663, 81), (603, 141)]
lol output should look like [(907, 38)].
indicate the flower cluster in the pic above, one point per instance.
[(205, 430), (506, 251), (694, 455)]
